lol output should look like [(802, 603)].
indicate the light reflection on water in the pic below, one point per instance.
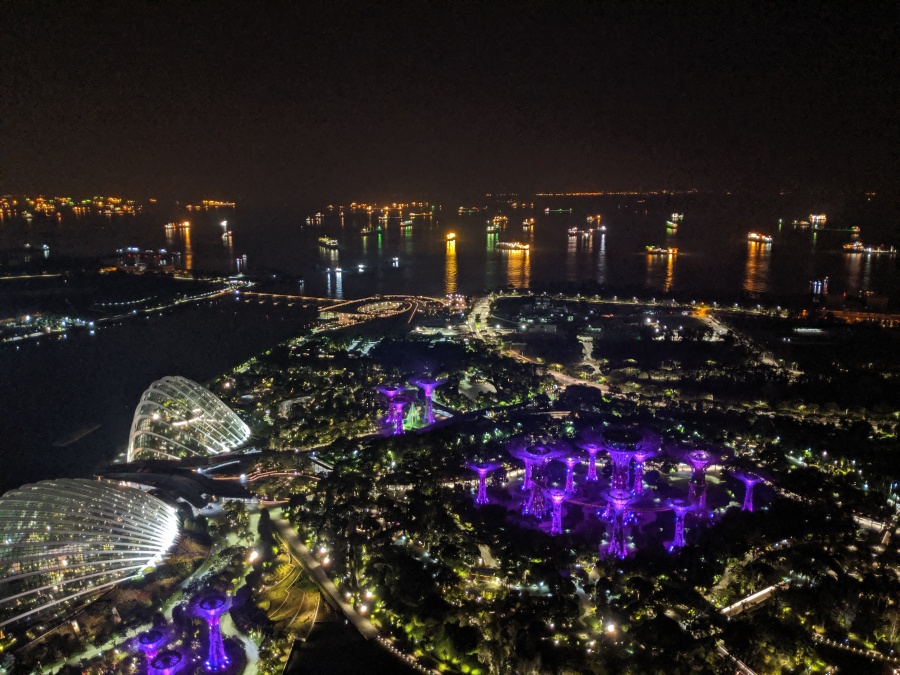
[(450, 269), (756, 271), (518, 268), (714, 254), (601, 260), (660, 272)]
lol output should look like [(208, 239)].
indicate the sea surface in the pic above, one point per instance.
[(714, 255)]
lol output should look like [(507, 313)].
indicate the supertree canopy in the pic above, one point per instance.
[(592, 445), (167, 662), (533, 453), (151, 641)]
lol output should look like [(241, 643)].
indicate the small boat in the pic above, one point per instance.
[(451, 236), (762, 238), (859, 247), (512, 246), (328, 242), (658, 250)]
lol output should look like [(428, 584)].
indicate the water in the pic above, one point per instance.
[(714, 256)]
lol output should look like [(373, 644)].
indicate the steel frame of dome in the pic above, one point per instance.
[(63, 539), (176, 417)]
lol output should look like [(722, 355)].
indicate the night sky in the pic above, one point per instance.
[(353, 101)]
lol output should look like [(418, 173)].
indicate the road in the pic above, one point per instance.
[(299, 549)]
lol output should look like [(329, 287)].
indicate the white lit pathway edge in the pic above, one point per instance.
[(363, 625)]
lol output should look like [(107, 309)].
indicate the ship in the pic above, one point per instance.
[(328, 242), (491, 228), (676, 218), (573, 231), (371, 230), (859, 247), (762, 238), (528, 224), (500, 221), (512, 246), (451, 236), (658, 250), (593, 219)]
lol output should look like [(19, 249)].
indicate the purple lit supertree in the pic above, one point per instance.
[(428, 386), (645, 450), (557, 497), (533, 453), (168, 662), (681, 509), (617, 501), (571, 460), (700, 461), (591, 448), (621, 445), (749, 480), (395, 406), (211, 608), (150, 642), (482, 469)]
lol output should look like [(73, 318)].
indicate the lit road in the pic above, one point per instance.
[(299, 549)]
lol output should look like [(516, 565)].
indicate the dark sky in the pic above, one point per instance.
[(339, 101)]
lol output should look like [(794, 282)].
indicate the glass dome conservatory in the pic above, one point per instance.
[(62, 540), (178, 418)]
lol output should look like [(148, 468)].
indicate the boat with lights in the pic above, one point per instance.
[(761, 238), (659, 250), (328, 242)]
